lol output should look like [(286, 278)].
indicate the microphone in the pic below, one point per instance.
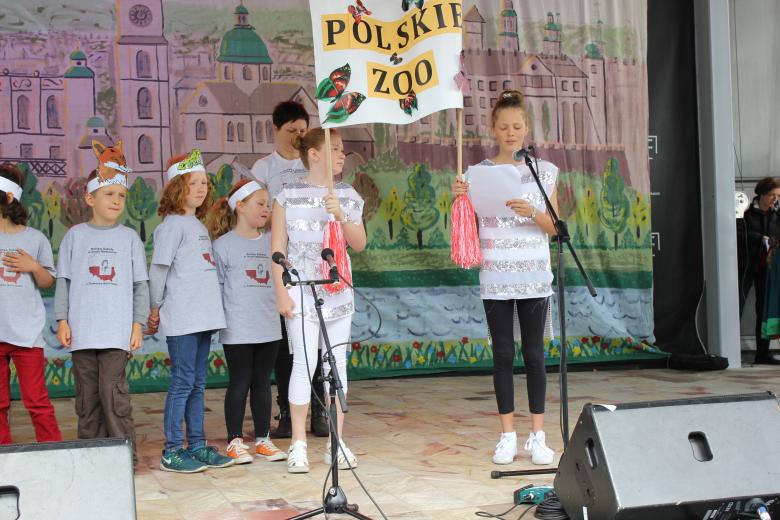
[(278, 258), (757, 505), (327, 255), (522, 153)]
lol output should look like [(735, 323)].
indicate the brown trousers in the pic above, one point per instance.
[(103, 401)]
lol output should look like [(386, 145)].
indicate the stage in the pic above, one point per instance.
[(424, 445)]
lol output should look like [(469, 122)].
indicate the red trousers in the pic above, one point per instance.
[(29, 372)]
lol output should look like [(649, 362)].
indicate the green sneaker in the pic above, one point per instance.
[(180, 461), (210, 456)]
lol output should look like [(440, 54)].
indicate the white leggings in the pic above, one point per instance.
[(338, 332)]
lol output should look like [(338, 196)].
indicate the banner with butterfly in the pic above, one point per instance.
[(386, 61)]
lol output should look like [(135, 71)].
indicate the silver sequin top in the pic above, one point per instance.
[(515, 251), (304, 206)]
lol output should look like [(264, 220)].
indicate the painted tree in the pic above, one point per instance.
[(546, 120), (141, 204), (74, 209), (221, 182), (588, 210), (419, 211), (567, 202), (640, 215), (51, 201), (367, 189), (615, 206), (531, 120), (444, 204), (31, 197), (441, 129), (391, 209)]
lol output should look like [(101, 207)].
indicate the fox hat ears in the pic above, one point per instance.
[(111, 160)]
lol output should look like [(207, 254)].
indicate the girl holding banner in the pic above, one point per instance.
[(301, 214), (515, 272)]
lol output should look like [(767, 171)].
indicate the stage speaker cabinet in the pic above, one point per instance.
[(699, 458), (84, 480)]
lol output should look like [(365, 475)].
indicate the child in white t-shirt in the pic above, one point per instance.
[(26, 265), (187, 307), (100, 303), (242, 251)]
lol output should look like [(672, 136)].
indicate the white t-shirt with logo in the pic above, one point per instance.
[(22, 315), (191, 300), (244, 271), (276, 172), (102, 265)]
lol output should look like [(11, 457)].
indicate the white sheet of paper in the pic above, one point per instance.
[(491, 186)]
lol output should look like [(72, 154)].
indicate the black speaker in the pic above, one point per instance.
[(75, 480), (700, 458)]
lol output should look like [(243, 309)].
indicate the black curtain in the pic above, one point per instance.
[(674, 174)]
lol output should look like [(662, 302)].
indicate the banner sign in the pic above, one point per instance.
[(385, 62)]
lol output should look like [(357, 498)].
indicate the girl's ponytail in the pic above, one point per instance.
[(220, 218)]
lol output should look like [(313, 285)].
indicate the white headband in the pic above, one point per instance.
[(118, 167), (243, 192), (9, 186), (193, 163), (96, 183)]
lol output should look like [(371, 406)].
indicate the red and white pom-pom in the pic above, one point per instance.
[(464, 236), (334, 239)]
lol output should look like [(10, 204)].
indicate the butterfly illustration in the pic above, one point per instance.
[(345, 105), (460, 77), (396, 59), (408, 103), (357, 11), (334, 85), (405, 4)]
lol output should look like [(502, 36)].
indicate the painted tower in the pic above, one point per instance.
[(594, 66), (143, 87), (473, 29), (507, 38), (551, 46), (79, 108), (243, 56)]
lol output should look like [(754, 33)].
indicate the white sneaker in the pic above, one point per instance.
[(344, 455), (238, 451), (506, 449), (297, 459), (540, 453)]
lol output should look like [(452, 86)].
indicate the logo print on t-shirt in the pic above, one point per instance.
[(8, 276), (103, 271), (205, 250), (255, 270)]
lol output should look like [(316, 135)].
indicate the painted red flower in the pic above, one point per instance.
[(464, 340), (59, 362), (356, 346), (149, 363), (218, 362), (440, 354), (630, 340), (397, 358), (596, 339), (416, 345), (585, 340), (167, 362), (374, 348)]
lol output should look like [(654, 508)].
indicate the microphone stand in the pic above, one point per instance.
[(335, 500), (561, 237)]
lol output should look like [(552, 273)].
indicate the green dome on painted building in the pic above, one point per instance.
[(242, 44), (95, 122), (78, 68), (551, 25)]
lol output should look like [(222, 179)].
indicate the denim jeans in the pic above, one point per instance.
[(185, 400)]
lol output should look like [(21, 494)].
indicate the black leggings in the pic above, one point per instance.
[(532, 313), (283, 370), (249, 367)]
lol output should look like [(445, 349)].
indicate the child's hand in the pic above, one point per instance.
[(153, 323), (136, 337), (285, 305), (521, 207), (460, 187), (63, 333), (20, 261), (333, 207)]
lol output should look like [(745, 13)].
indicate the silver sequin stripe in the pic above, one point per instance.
[(522, 289), (319, 202), (312, 249), (307, 225), (330, 314), (545, 177), (513, 243), (503, 222), (516, 266)]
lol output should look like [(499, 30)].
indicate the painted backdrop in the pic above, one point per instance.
[(167, 77)]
